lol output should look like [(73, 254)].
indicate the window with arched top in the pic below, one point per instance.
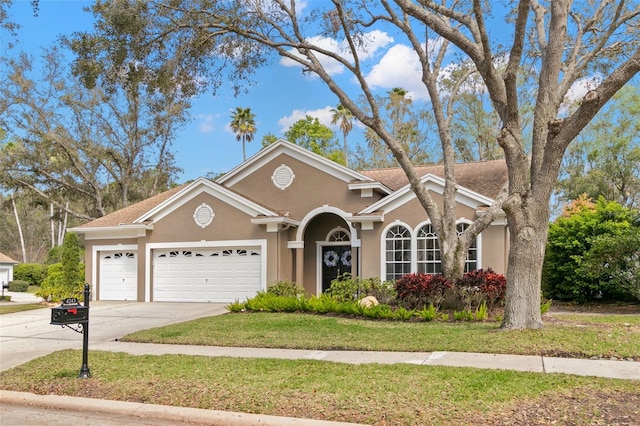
[(338, 235), (397, 252), (428, 251)]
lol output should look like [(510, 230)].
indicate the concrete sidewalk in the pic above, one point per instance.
[(627, 370)]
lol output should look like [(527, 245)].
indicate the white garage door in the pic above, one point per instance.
[(118, 275), (206, 275)]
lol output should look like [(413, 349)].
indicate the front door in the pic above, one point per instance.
[(336, 260)]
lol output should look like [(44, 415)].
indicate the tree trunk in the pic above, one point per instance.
[(15, 212), (528, 227), (346, 149), (63, 227), (52, 226)]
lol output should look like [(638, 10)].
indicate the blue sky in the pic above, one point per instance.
[(281, 96)]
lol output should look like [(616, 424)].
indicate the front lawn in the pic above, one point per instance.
[(579, 336), (11, 308), (369, 393)]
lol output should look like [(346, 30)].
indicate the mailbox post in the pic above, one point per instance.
[(72, 312)]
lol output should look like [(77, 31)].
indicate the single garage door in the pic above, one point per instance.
[(206, 275), (118, 275)]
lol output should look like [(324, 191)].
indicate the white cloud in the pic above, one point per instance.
[(580, 88), (399, 67), (206, 123), (576, 92), (323, 115), (367, 46)]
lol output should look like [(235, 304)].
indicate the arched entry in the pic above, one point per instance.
[(329, 250), (336, 256)]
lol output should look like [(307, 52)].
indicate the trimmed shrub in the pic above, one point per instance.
[(416, 291), (33, 273), (18, 285), (346, 288), (285, 288)]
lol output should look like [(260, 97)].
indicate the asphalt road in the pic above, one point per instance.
[(19, 415)]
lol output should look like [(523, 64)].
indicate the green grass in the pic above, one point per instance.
[(9, 309), (401, 394), (571, 335)]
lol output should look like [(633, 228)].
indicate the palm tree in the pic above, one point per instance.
[(345, 118), (244, 126)]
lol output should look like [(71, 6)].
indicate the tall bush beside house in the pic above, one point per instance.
[(65, 279), (616, 260), (571, 237)]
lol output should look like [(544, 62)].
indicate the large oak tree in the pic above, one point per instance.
[(86, 151), (218, 41)]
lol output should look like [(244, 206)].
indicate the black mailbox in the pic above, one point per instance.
[(69, 313)]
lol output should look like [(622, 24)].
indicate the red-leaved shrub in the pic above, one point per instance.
[(486, 283), (416, 291)]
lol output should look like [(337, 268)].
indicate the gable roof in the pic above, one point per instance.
[(478, 181), (433, 183), (282, 146), (483, 177), (127, 215), (146, 211), (6, 259), (199, 186)]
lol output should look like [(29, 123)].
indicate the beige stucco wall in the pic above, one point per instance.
[(311, 188), (229, 223)]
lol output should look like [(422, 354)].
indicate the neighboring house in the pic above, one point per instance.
[(6, 268), (284, 214)]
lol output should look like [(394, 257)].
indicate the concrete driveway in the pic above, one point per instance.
[(28, 335)]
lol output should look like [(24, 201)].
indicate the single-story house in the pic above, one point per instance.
[(6, 268), (285, 214)]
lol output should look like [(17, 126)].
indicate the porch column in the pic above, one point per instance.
[(299, 266), (298, 252)]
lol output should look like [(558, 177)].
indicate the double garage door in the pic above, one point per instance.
[(185, 275), (206, 275)]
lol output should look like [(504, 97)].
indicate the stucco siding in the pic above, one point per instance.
[(311, 188)]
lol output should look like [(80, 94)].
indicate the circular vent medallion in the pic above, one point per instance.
[(283, 177), (203, 215)]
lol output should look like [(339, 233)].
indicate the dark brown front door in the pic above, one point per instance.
[(336, 260)]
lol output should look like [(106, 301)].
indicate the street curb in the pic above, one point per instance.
[(154, 411)]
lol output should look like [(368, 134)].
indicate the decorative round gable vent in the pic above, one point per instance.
[(283, 177), (203, 215)]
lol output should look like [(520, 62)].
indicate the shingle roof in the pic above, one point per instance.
[(6, 259), (483, 177), (128, 214), (486, 178)]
